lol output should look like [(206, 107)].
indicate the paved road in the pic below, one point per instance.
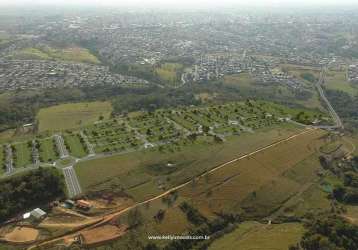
[(60, 144), (88, 144), (9, 162), (73, 186), (35, 153), (331, 110)]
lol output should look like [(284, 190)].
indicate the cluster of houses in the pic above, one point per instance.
[(353, 73), (20, 74)]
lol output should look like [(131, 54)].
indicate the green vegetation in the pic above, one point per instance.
[(308, 76), (22, 154), (253, 235), (47, 150), (336, 80), (329, 232), (243, 80), (74, 54), (346, 106), (170, 73), (74, 145), (23, 192), (72, 115)]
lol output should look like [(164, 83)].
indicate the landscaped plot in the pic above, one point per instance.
[(2, 160), (154, 126), (22, 154), (133, 170), (74, 145), (47, 150), (111, 136), (72, 115)]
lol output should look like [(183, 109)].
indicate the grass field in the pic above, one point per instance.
[(72, 115), (170, 72), (337, 81), (135, 172), (297, 71), (74, 54), (253, 235), (259, 184), (243, 80), (74, 145), (22, 155), (47, 150)]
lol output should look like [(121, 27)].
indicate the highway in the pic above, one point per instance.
[(331, 110), (73, 186)]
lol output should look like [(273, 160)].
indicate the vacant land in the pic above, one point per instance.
[(257, 185), (253, 235), (74, 54), (136, 172), (73, 115), (336, 80), (243, 80), (22, 154), (22, 235), (170, 72), (47, 150), (300, 71), (74, 145)]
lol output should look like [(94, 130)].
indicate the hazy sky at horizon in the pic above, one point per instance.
[(182, 3)]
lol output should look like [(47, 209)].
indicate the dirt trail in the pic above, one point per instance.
[(109, 217)]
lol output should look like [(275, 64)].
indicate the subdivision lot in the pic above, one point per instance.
[(141, 170), (2, 160), (154, 126), (111, 136), (22, 154), (253, 235), (47, 150), (73, 115), (74, 145)]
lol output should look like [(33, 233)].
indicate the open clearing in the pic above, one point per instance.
[(102, 234), (136, 172), (336, 80), (253, 235), (73, 115), (170, 72), (258, 184), (22, 235), (74, 54), (243, 80)]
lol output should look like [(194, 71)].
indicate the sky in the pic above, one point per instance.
[(182, 3)]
